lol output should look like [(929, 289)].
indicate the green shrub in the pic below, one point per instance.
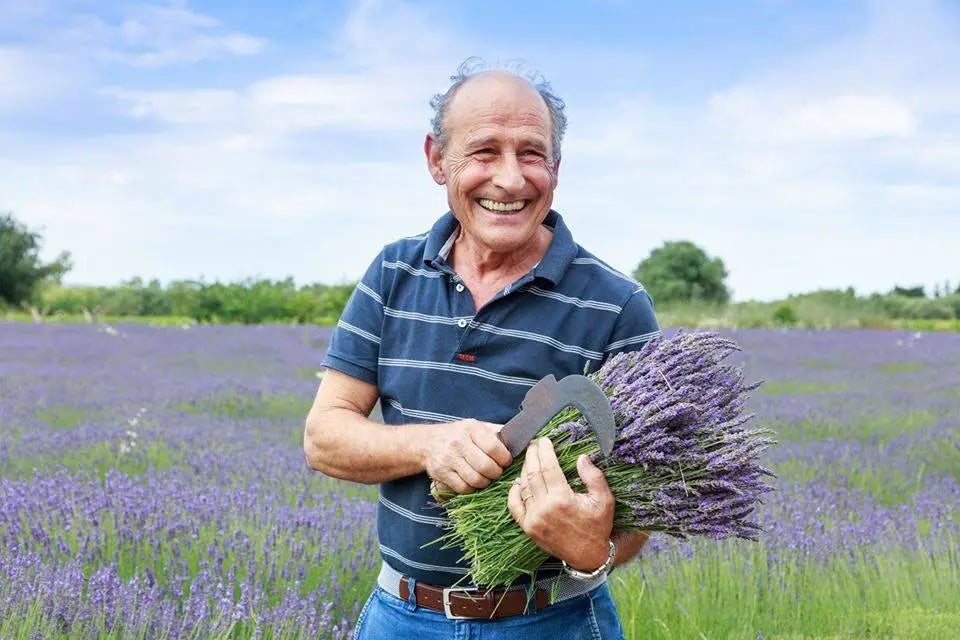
[(785, 314)]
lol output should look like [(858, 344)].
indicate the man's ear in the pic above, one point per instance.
[(431, 148), (556, 171)]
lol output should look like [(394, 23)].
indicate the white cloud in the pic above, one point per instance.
[(177, 107), (159, 35), (775, 117), (852, 117), (280, 106), (28, 78)]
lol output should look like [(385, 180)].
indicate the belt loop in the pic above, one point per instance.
[(411, 604)]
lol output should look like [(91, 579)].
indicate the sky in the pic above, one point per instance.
[(809, 144)]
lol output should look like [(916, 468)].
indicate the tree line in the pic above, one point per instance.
[(676, 274)]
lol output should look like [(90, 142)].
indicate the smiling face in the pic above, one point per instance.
[(496, 164)]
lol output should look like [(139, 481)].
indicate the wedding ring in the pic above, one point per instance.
[(524, 498)]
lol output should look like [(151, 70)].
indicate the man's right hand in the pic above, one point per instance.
[(465, 455)]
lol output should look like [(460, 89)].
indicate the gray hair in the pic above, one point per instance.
[(473, 66)]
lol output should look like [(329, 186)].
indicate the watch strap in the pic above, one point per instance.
[(596, 573)]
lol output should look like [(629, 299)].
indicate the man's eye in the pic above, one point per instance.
[(484, 152)]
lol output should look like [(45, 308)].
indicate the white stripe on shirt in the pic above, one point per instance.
[(606, 268), (360, 332), (422, 317), (634, 340), (579, 302), (410, 515), (457, 368), (419, 413), (420, 565), (370, 292), (537, 337), (411, 270)]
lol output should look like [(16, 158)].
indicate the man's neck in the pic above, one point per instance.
[(474, 261)]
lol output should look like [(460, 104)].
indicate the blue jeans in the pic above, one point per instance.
[(590, 616)]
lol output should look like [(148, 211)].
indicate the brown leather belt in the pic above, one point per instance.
[(474, 603)]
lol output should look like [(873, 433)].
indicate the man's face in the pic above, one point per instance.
[(497, 164)]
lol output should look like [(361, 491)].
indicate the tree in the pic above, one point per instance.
[(21, 270), (909, 292), (682, 271)]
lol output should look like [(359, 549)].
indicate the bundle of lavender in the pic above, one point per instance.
[(683, 462)]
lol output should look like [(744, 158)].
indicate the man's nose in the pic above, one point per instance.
[(508, 174)]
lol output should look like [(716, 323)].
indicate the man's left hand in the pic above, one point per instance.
[(571, 526)]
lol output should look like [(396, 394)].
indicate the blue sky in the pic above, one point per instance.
[(808, 144)]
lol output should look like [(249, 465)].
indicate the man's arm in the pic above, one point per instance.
[(628, 544), (341, 441)]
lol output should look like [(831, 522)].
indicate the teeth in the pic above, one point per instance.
[(493, 205)]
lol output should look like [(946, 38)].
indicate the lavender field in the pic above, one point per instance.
[(152, 484)]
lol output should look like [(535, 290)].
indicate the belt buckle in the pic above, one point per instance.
[(446, 602)]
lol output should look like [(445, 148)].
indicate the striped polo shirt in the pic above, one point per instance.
[(411, 329)]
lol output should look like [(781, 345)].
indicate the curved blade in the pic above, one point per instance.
[(535, 412), (584, 394), (548, 397)]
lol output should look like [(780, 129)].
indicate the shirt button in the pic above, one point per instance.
[(461, 323), (459, 287)]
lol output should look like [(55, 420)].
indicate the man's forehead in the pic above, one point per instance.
[(498, 99)]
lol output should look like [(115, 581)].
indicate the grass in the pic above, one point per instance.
[(887, 486), (731, 592), (162, 321), (799, 387), (99, 458), (748, 315), (62, 417), (280, 406), (879, 428), (811, 313), (901, 367), (819, 363)]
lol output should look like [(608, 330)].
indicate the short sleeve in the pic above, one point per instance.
[(635, 326), (355, 344)]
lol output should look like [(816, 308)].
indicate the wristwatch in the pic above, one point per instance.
[(596, 573)]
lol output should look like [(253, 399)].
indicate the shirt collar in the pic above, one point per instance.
[(552, 265)]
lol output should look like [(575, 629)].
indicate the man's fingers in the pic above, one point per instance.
[(471, 476), (550, 466), (483, 463), (491, 444), (515, 503), (455, 482), (532, 475), (593, 478)]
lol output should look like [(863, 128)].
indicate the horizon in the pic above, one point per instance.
[(809, 146)]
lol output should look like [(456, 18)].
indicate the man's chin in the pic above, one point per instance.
[(505, 241)]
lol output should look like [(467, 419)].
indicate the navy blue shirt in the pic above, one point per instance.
[(411, 329)]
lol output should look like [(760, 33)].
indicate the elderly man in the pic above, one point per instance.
[(450, 329)]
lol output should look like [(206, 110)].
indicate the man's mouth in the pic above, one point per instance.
[(500, 207)]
